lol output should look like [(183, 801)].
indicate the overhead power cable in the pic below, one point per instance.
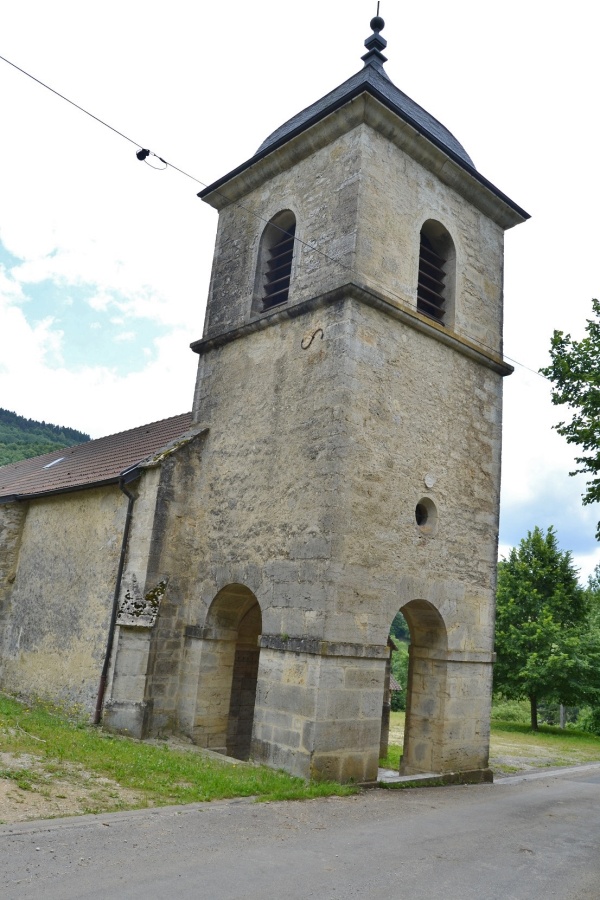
[(62, 97), (143, 153)]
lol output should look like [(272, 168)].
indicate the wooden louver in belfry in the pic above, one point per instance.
[(430, 290), (279, 269)]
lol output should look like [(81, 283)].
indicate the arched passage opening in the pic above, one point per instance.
[(424, 688), (230, 669), (243, 685)]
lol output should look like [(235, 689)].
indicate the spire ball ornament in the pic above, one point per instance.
[(375, 44)]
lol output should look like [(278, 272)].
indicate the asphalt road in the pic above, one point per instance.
[(519, 839)]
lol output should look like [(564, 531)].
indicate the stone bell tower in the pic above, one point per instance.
[(350, 381)]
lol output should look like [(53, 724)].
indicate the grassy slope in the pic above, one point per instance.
[(45, 756), (56, 749)]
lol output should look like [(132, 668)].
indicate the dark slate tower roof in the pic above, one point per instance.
[(375, 81)]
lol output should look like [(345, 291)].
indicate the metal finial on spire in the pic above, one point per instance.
[(377, 23), (375, 43)]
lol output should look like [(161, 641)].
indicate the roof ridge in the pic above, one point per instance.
[(136, 428)]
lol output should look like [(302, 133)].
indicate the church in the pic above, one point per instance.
[(231, 574)]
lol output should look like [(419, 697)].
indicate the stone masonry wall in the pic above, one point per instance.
[(55, 626), (397, 195), (325, 203), (320, 486), (314, 499), (360, 201), (318, 710), (175, 557), (271, 488), (426, 423)]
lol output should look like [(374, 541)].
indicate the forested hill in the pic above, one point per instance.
[(22, 438)]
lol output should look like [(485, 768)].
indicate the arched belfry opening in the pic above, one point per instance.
[(275, 258), (424, 689), (229, 670), (437, 273)]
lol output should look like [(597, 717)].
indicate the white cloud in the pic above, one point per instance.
[(10, 291), (100, 302), (94, 399), (26, 345), (34, 381)]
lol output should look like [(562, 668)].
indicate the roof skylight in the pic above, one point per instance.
[(53, 463)]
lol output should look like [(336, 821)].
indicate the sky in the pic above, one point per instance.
[(105, 261)]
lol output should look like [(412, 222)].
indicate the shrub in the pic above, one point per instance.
[(510, 710), (589, 720)]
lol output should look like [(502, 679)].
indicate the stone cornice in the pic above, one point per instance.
[(319, 647), (365, 108), (389, 306)]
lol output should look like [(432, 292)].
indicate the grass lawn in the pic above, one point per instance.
[(57, 766), (516, 748), (53, 766)]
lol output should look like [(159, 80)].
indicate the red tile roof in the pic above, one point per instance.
[(96, 462), (394, 684)]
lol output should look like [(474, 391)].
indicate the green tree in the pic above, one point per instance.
[(399, 628), (545, 650), (593, 592), (575, 374), (399, 669), (589, 716), (22, 438)]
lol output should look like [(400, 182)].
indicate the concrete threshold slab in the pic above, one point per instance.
[(390, 776)]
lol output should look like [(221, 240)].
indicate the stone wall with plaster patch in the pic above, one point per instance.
[(56, 617)]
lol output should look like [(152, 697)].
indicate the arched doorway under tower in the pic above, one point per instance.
[(243, 684), (229, 672), (425, 690)]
